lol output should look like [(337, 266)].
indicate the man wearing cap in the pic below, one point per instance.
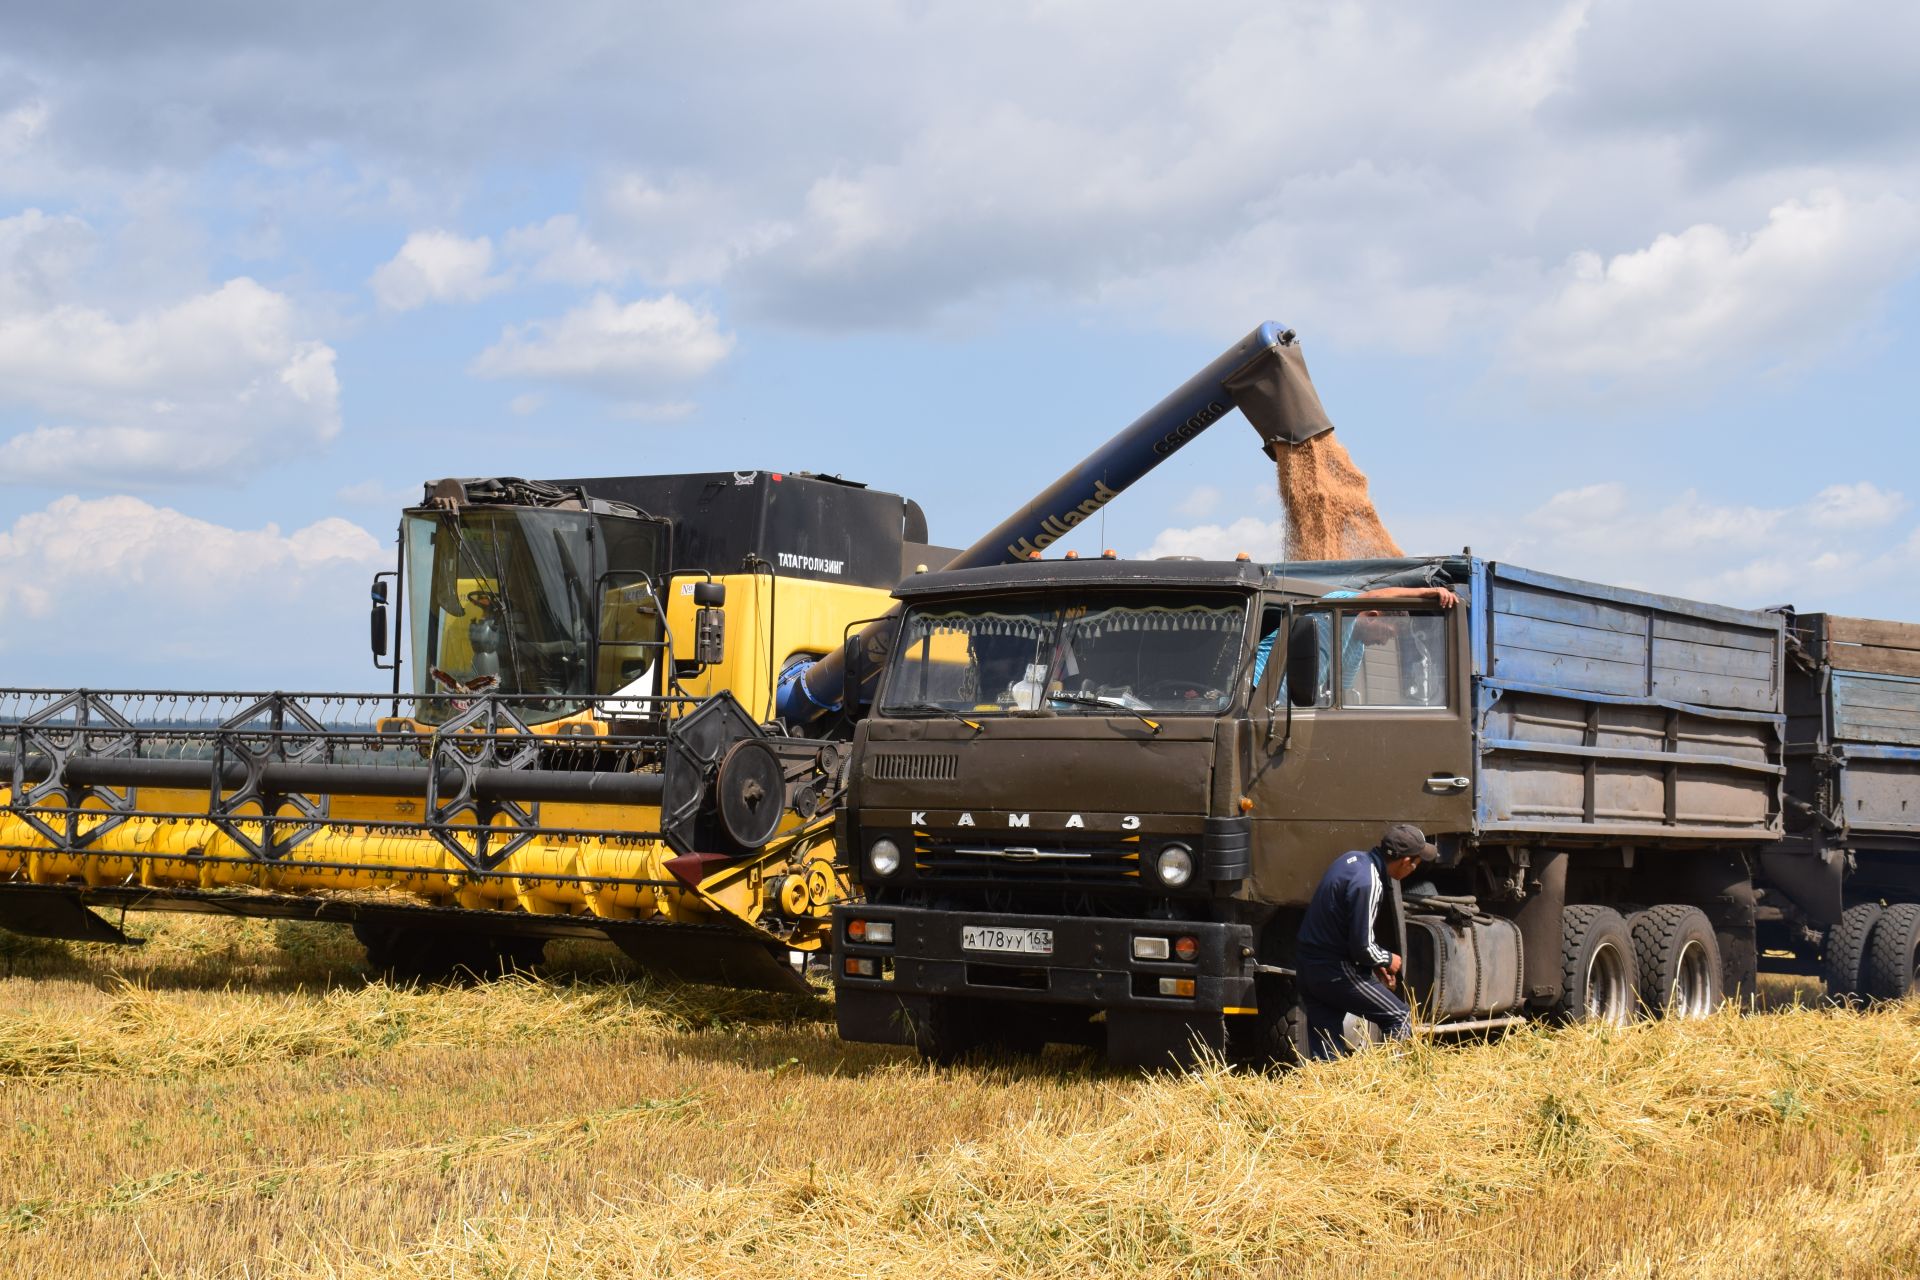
[(1342, 968)]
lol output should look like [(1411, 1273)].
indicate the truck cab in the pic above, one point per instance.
[(1092, 796)]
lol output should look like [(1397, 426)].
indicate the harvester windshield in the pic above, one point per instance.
[(1102, 650), (558, 605)]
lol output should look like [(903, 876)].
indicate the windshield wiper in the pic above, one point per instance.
[(1104, 703), (929, 708)]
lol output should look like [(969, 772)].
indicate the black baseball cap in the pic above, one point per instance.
[(1404, 840)]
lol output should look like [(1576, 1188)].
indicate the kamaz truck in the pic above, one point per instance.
[(1095, 796)]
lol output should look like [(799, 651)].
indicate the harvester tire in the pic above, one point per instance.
[(1599, 970), (1679, 953), (1895, 953), (1844, 957)]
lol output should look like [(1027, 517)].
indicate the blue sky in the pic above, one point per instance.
[(1614, 289)]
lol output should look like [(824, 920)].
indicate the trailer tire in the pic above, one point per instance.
[(1892, 959), (1600, 975), (1680, 972), (1843, 958)]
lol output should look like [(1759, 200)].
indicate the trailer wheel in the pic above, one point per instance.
[(1844, 957), (1893, 961), (1599, 972), (1679, 961)]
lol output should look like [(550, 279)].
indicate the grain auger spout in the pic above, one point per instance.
[(1264, 375)]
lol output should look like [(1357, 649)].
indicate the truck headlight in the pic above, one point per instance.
[(1175, 865), (883, 855)]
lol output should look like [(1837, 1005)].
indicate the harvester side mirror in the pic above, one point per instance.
[(709, 623), (378, 621)]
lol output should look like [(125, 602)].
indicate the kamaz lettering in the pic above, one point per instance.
[(918, 820)]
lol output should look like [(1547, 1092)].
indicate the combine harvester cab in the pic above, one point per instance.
[(624, 713), (576, 746)]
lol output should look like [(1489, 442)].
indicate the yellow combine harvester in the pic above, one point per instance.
[(579, 749), (625, 712)]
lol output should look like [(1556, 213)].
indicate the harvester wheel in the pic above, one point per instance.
[(1893, 959), (1598, 967), (1679, 954), (1844, 957), (419, 954)]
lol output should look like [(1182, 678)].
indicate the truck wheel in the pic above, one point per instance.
[(1679, 961), (1598, 968), (1276, 1036), (949, 1031), (1844, 957), (1894, 957)]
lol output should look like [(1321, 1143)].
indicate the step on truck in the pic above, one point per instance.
[(1087, 809)]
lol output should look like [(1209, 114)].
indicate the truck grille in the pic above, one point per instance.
[(979, 862), (915, 767)]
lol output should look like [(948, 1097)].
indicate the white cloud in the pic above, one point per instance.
[(1855, 506), (618, 347), (188, 390), (132, 587), (436, 266), (377, 495), (1706, 298), (1260, 539), (525, 403), (561, 251), (1843, 547)]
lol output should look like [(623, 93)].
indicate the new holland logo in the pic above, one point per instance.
[(1057, 527)]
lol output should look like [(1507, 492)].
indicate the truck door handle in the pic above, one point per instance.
[(1448, 782)]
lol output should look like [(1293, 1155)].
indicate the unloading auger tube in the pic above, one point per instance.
[(1264, 375), (681, 830)]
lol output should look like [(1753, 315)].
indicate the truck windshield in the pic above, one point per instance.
[(503, 598), (1138, 652)]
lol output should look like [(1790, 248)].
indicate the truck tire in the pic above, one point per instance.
[(949, 1031), (1843, 960), (1599, 971), (1679, 961), (1895, 953), (1276, 1036)]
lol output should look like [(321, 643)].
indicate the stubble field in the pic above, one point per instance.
[(241, 1099)]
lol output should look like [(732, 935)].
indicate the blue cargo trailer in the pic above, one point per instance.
[(1841, 893)]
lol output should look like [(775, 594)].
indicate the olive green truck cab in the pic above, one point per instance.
[(1093, 798)]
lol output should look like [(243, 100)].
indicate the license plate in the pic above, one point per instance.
[(1026, 942)]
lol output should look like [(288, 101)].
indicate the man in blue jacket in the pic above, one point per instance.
[(1342, 967)]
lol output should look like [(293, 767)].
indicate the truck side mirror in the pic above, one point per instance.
[(1303, 662), (378, 620), (709, 623)]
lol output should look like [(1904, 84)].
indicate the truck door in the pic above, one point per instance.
[(1382, 736)]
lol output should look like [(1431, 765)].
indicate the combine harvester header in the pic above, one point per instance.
[(627, 717)]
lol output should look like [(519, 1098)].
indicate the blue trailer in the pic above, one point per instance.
[(1841, 893)]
